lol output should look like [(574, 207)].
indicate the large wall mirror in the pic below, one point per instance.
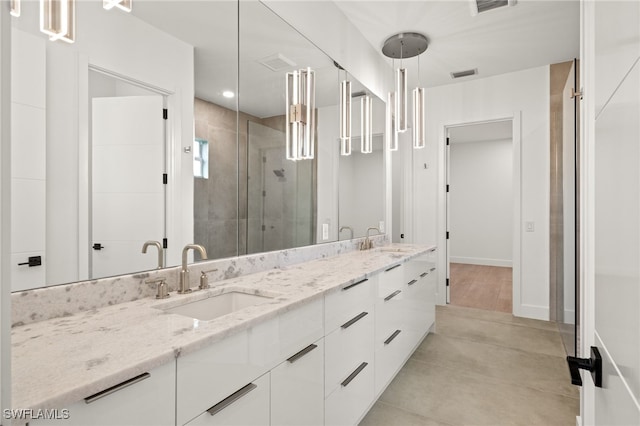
[(169, 123)]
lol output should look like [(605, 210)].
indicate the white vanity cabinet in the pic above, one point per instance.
[(247, 406), (297, 388), (147, 399), (349, 362)]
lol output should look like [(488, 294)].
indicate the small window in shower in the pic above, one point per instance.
[(201, 158)]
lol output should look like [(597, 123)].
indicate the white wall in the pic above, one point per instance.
[(121, 44), (525, 96), (481, 202)]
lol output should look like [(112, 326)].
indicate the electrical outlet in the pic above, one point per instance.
[(530, 226), (325, 231)]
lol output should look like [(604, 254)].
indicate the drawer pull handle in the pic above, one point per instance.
[(432, 269), (392, 268), (231, 399), (392, 295), (354, 374), (424, 274), (354, 320), (302, 353), (393, 336), (355, 284), (116, 388), (412, 282)]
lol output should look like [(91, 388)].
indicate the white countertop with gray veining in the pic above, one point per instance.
[(60, 361)]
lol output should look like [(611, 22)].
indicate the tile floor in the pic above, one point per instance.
[(481, 287), (482, 368)]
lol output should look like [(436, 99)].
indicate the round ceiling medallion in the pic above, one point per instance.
[(405, 45)]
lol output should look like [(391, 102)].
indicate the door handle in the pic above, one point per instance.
[(98, 246), (32, 261), (593, 364)]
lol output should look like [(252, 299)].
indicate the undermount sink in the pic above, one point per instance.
[(394, 250), (216, 306)]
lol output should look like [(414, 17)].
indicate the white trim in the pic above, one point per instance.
[(505, 263), (605, 353), (538, 312)]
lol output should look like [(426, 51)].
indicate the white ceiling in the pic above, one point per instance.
[(532, 33)]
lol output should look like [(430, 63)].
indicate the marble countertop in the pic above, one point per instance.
[(62, 360)]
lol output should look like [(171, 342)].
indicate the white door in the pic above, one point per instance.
[(127, 183), (611, 43)]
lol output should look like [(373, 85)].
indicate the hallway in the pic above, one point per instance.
[(481, 287), (482, 368)]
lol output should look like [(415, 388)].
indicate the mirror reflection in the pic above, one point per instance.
[(175, 134)]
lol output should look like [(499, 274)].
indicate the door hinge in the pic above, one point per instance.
[(165, 113), (447, 141), (264, 159), (264, 193), (447, 282), (447, 235), (165, 243), (165, 178), (264, 227), (575, 94), (447, 188)]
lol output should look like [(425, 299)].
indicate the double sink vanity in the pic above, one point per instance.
[(311, 343)]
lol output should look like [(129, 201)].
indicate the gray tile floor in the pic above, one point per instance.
[(482, 368)]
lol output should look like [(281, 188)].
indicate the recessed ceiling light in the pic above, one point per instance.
[(228, 94)]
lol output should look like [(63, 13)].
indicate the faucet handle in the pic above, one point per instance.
[(161, 288), (204, 279)]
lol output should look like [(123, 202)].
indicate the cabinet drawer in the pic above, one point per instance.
[(391, 279), (148, 399), (214, 372), (341, 306), (348, 404), (247, 406), (347, 347), (390, 357), (297, 388), (391, 312)]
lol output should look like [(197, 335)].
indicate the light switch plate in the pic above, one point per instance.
[(530, 226), (325, 231)]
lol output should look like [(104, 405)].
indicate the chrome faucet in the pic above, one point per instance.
[(184, 272), (367, 243), (349, 228), (160, 251)]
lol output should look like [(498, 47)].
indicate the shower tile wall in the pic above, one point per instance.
[(219, 213)]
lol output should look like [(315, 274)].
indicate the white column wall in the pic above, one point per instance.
[(523, 93)]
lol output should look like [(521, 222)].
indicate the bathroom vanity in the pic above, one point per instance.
[(312, 343)]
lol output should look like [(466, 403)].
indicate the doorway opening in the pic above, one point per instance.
[(480, 222)]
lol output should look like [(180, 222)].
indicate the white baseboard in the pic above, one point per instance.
[(531, 311), (481, 261)]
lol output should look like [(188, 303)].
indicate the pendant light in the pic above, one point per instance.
[(15, 8), (57, 19), (120, 4), (345, 113), (402, 46), (366, 137), (390, 126), (300, 93)]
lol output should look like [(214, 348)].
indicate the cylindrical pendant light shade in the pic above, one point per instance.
[(300, 106), (345, 118), (418, 118), (15, 8), (401, 100), (392, 135), (58, 19), (366, 138)]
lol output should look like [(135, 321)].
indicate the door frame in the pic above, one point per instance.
[(84, 160), (443, 208)]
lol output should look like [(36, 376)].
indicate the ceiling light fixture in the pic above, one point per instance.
[(402, 46), (120, 4), (345, 113), (300, 96), (366, 137), (57, 19), (15, 8)]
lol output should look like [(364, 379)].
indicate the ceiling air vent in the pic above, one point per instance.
[(465, 73), (277, 62), (480, 6)]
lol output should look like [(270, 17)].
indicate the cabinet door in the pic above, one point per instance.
[(148, 399), (247, 406), (297, 388)]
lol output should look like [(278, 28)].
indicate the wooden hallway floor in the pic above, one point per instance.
[(481, 287)]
